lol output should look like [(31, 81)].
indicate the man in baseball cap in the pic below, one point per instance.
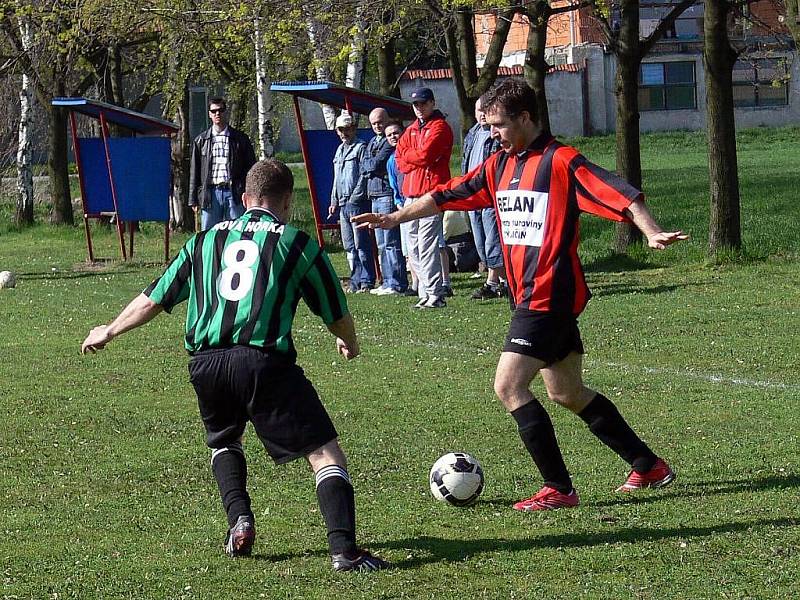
[(422, 94)]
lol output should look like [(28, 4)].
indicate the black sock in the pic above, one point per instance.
[(338, 506), (610, 427), (230, 471), (539, 437)]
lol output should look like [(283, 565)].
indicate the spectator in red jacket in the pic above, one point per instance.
[(423, 155)]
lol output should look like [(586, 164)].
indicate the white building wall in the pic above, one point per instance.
[(583, 102)]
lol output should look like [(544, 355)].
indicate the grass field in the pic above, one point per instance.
[(106, 486)]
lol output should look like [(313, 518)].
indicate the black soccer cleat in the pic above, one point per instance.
[(241, 537), (362, 562)]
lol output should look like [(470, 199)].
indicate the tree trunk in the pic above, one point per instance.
[(629, 162), (535, 68), (719, 58), (181, 214), (24, 210), (266, 147), (454, 37), (792, 19), (356, 63), (57, 167), (321, 68), (387, 69)]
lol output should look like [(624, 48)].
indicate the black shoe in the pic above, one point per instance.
[(410, 292), (362, 562), (485, 292), (448, 291), (240, 538)]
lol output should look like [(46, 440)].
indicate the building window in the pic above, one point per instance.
[(759, 83), (667, 86)]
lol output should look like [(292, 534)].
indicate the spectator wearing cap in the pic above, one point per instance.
[(374, 170), (349, 197), (423, 156)]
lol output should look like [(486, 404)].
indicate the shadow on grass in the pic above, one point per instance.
[(616, 263), (693, 489), (444, 550), (618, 289), (110, 267)]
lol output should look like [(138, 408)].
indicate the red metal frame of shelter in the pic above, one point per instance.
[(137, 122), (344, 98)]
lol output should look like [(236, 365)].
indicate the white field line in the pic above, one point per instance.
[(706, 377)]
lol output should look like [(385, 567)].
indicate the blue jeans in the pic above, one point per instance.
[(358, 245), (393, 264), (487, 238), (222, 208)]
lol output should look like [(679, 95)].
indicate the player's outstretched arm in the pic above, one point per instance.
[(656, 237), (140, 310), (346, 341), (424, 207)]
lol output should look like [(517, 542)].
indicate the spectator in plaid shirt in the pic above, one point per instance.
[(221, 158)]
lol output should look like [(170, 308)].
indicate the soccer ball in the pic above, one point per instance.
[(7, 279), (456, 478)]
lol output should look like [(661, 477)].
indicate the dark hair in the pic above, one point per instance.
[(269, 178), (219, 101), (395, 123), (514, 96)]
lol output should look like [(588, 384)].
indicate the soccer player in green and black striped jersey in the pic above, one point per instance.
[(243, 280)]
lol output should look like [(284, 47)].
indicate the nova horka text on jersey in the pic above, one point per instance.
[(250, 227)]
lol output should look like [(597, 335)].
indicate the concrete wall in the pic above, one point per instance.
[(601, 71)]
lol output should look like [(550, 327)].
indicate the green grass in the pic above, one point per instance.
[(106, 490)]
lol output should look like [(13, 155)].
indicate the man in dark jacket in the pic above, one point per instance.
[(373, 169), (478, 146), (221, 158)]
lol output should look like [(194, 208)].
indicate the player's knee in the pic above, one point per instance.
[(566, 398)]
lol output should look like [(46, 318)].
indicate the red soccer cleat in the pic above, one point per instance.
[(657, 477), (548, 499)]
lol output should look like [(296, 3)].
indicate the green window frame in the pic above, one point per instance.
[(667, 86), (759, 84)]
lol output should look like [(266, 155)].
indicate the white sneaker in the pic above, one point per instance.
[(387, 292), (378, 291), (422, 302), (476, 275), (434, 302)]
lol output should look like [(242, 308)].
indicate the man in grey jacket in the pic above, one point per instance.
[(221, 158)]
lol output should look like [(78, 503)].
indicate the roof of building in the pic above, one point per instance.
[(513, 71)]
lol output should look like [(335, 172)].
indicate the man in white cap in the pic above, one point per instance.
[(349, 197)]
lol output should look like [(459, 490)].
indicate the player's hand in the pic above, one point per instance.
[(662, 239), (349, 352), (374, 221), (195, 208), (332, 210), (96, 340)]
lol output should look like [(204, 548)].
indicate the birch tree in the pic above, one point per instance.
[(24, 210), (265, 133)]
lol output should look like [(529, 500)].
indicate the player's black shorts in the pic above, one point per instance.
[(242, 383), (550, 337)]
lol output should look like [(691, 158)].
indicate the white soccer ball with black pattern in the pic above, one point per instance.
[(7, 279), (456, 478)]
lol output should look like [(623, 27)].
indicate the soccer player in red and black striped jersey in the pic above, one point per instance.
[(538, 188), (243, 280)]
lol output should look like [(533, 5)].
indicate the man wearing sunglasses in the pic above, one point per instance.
[(221, 158)]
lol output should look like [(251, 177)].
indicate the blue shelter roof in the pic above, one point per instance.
[(333, 94), (135, 121)]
